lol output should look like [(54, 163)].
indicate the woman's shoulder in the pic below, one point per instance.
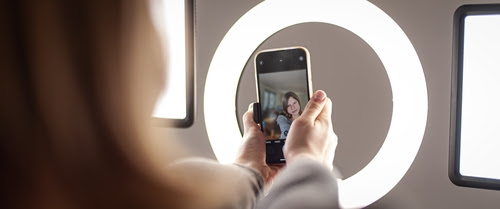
[(282, 118)]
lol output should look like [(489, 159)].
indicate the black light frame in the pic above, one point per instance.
[(190, 72), (456, 98)]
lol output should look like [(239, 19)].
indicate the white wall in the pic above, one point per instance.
[(353, 76)]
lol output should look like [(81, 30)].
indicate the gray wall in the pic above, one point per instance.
[(352, 75)]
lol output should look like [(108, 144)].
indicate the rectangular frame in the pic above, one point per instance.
[(456, 98), (189, 70)]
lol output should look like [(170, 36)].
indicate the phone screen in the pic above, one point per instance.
[(283, 91)]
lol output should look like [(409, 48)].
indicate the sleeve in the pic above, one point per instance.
[(303, 184), (218, 186)]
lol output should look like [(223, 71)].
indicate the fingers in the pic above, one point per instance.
[(248, 123), (315, 106)]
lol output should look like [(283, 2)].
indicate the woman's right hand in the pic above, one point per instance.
[(311, 135)]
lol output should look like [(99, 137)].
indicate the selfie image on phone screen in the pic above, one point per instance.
[(283, 91)]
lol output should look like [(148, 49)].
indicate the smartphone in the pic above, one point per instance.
[(283, 80)]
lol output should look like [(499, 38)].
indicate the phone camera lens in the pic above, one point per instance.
[(301, 58), (261, 62)]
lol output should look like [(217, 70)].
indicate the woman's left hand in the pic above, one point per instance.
[(253, 151)]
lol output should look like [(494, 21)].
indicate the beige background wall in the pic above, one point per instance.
[(352, 75)]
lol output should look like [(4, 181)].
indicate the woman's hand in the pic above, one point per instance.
[(253, 151), (311, 135)]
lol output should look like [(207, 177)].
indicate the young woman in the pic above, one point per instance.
[(78, 82), (291, 111)]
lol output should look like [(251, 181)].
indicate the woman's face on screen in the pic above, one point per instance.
[(293, 107)]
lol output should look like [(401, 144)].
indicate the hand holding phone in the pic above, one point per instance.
[(253, 151), (312, 134)]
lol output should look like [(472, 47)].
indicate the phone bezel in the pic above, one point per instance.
[(272, 65)]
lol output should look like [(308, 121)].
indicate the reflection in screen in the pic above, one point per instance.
[(273, 88), (169, 19), (480, 134)]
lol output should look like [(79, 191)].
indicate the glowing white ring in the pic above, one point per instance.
[(363, 19)]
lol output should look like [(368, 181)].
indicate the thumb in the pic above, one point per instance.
[(314, 106), (326, 113)]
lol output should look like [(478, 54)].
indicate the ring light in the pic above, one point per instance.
[(372, 25)]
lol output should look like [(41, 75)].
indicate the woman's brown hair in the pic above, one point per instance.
[(78, 81)]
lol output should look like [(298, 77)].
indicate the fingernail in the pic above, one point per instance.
[(319, 96)]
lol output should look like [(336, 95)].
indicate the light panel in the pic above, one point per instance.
[(480, 138), (173, 22), (474, 138)]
